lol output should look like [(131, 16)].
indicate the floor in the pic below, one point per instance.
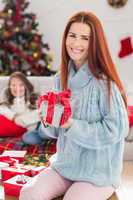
[(125, 192)]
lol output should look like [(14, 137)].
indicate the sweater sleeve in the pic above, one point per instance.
[(28, 118), (7, 112), (110, 129)]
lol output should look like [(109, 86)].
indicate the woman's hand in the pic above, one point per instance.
[(68, 124)]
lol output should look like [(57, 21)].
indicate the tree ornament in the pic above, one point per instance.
[(33, 17), (15, 62), (7, 34), (9, 23), (17, 29), (30, 59), (35, 55), (37, 38), (49, 66), (10, 12), (33, 45), (28, 73)]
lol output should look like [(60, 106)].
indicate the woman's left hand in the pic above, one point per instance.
[(68, 124)]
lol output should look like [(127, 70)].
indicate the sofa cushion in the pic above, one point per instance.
[(6, 125)]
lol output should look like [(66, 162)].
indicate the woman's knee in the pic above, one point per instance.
[(26, 193), (30, 193)]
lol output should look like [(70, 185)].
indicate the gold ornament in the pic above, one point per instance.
[(49, 66), (35, 55), (10, 12), (17, 29)]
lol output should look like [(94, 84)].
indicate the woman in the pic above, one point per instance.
[(18, 109), (88, 162)]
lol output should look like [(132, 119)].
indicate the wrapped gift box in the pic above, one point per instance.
[(56, 116), (9, 172), (13, 185), (54, 108), (8, 159), (19, 155), (2, 166), (37, 170)]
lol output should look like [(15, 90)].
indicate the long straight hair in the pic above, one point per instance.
[(99, 58)]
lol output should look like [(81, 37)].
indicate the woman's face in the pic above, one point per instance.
[(17, 87), (77, 43)]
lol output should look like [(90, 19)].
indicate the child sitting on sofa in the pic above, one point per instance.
[(18, 112), (37, 136)]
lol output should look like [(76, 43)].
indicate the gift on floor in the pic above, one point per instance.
[(54, 108), (13, 185), (9, 172), (37, 170), (19, 155), (8, 159), (3, 166)]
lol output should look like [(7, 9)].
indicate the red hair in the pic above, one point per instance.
[(99, 58)]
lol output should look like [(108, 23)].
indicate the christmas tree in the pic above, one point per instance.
[(21, 45)]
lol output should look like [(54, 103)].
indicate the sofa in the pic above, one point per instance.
[(42, 84)]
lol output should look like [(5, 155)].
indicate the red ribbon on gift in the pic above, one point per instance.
[(50, 97), (63, 98), (56, 98)]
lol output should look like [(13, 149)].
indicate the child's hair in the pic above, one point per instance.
[(30, 95)]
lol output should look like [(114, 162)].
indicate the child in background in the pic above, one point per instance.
[(37, 136), (18, 109)]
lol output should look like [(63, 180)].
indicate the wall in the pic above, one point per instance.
[(118, 23)]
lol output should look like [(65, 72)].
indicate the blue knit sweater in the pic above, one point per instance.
[(92, 148)]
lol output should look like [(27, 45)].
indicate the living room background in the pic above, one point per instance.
[(117, 23)]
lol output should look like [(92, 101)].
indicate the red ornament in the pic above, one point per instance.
[(34, 17), (30, 59), (126, 47), (15, 62), (37, 38)]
